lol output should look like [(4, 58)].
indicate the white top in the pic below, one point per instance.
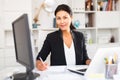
[(70, 54)]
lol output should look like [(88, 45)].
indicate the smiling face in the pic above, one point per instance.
[(63, 20)]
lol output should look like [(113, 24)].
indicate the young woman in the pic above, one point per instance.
[(66, 45)]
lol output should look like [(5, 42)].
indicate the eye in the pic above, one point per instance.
[(58, 18)]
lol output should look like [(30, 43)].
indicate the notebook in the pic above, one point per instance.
[(97, 65), (78, 69)]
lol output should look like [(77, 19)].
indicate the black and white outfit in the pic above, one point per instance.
[(60, 53)]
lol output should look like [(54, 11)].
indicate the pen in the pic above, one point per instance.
[(113, 62), (110, 60), (115, 58), (41, 60), (106, 60)]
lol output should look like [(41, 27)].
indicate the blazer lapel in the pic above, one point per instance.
[(62, 46), (78, 54), (74, 40)]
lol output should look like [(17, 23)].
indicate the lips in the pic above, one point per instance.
[(62, 25)]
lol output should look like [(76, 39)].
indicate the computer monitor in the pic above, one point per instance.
[(23, 49)]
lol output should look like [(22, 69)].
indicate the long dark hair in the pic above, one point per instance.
[(64, 7)]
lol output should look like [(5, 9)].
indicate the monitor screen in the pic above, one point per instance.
[(22, 41)]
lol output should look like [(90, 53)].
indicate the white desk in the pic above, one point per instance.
[(53, 73), (59, 73)]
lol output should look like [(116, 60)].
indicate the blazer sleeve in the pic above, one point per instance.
[(45, 50)]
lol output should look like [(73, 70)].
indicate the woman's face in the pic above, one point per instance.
[(63, 20)]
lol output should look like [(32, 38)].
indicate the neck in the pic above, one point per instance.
[(66, 32)]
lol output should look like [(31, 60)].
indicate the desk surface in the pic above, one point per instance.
[(59, 73), (53, 73)]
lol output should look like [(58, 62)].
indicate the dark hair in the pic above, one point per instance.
[(64, 7)]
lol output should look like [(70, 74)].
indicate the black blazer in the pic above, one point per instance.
[(54, 44)]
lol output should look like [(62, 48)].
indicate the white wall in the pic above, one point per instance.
[(11, 10)]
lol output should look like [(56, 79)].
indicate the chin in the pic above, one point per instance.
[(63, 29)]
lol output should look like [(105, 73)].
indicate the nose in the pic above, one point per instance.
[(62, 21)]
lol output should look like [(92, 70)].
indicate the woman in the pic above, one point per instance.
[(66, 45)]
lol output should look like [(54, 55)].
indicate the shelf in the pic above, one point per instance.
[(53, 29), (106, 11), (84, 12), (107, 19), (108, 35), (9, 46), (109, 45), (107, 27), (8, 28), (49, 29), (108, 5), (99, 25), (87, 28), (35, 29)]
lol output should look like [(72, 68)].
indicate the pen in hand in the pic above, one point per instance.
[(43, 65), (41, 60)]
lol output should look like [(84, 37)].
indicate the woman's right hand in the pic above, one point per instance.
[(41, 65)]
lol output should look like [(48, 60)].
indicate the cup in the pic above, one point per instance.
[(110, 70), (34, 25)]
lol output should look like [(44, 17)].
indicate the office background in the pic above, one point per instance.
[(102, 26)]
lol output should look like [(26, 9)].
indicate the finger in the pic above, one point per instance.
[(41, 68)]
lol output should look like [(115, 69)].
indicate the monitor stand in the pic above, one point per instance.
[(24, 76)]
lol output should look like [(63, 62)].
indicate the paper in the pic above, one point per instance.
[(56, 69), (95, 75)]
